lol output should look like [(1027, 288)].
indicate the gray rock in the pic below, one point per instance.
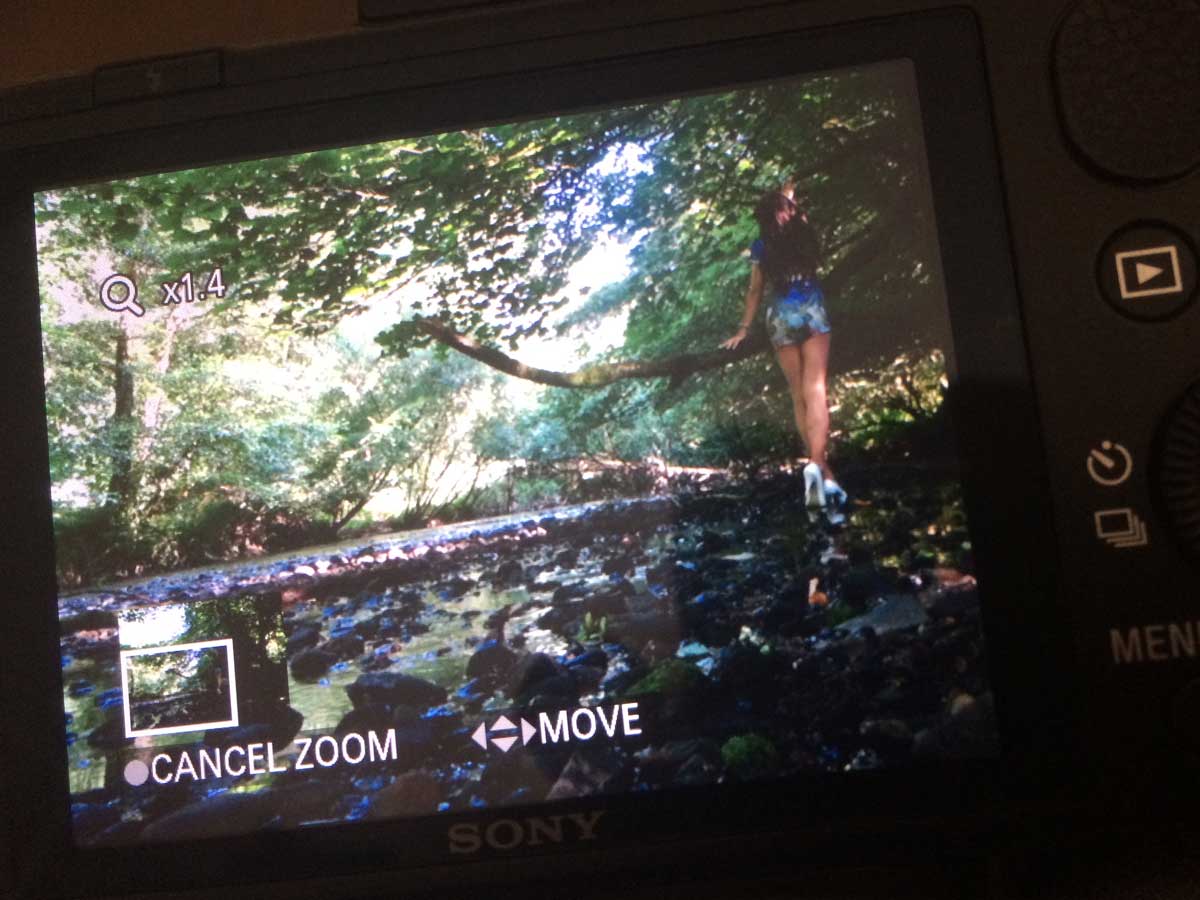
[(491, 660), (278, 723), (968, 731), (347, 646), (368, 717), (214, 816), (893, 613), (532, 669), (394, 689), (234, 813), (303, 638), (309, 665), (109, 735), (886, 735), (587, 678), (566, 592), (696, 771), (563, 620), (509, 573), (610, 601), (952, 601), (637, 629), (584, 776)]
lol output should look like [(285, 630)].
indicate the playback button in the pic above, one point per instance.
[(1148, 271)]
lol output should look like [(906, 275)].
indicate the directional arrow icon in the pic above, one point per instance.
[(1146, 272), (500, 727)]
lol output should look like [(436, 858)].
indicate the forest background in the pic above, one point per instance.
[(476, 323)]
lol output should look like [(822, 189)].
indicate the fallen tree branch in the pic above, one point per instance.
[(596, 374), (676, 367)]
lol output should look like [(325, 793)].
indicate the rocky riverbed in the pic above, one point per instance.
[(758, 641)]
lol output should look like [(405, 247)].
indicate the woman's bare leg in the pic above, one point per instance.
[(791, 361), (814, 353)]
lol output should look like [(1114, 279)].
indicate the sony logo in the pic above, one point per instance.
[(508, 834)]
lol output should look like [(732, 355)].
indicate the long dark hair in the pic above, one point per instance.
[(791, 249)]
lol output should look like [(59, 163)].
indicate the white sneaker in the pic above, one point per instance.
[(834, 493), (814, 486)]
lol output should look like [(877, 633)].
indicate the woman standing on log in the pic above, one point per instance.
[(785, 257)]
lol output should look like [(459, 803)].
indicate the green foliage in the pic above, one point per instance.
[(750, 756), (916, 523), (267, 419), (390, 424), (162, 674), (534, 492), (253, 625), (591, 629), (255, 444), (76, 360), (487, 223), (88, 547), (840, 614), (881, 410), (722, 421), (669, 676)]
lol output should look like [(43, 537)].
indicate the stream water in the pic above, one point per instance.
[(221, 578), (758, 641), (438, 651)]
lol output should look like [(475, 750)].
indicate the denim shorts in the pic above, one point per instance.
[(797, 315)]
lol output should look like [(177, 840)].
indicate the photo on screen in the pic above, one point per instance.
[(592, 454), (184, 687)]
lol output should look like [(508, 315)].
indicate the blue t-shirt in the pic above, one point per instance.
[(797, 289)]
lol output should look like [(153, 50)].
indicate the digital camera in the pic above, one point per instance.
[(546, 444)]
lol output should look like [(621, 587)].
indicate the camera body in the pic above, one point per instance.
[(1062, 144)]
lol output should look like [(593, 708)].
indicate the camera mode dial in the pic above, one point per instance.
[(1179, 471)]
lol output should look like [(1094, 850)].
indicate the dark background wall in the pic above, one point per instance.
[(42, 39)]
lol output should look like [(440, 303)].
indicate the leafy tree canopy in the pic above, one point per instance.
[(480, 228), (252, 422)]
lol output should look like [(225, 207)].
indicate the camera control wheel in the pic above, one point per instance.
[(1125, 72), (1179, 471)]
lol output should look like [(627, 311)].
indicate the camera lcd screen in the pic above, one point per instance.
[(589, 455)]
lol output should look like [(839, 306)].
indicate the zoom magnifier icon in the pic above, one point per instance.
[(119, 294)]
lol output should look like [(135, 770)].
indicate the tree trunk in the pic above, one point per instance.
[(122, 426), (152, 409)]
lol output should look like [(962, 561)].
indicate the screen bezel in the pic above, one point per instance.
[(993, 406)]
